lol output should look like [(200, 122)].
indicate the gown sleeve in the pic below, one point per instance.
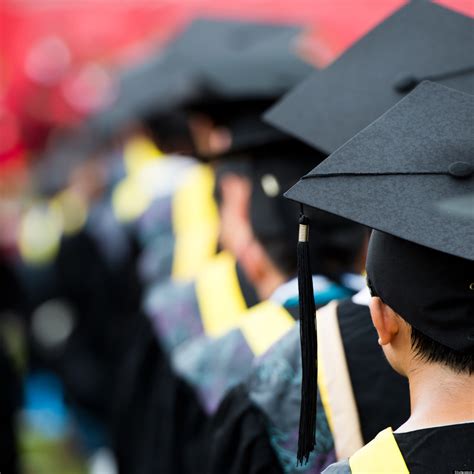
[(238, 438)]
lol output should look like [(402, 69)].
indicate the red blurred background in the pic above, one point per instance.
[(58, 57)]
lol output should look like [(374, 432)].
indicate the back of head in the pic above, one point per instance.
[(336, 242), (432, 291), (170, 132)]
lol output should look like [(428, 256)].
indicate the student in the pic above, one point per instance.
[(207, 48), (420, 269), (250, 198), (324, 111), (422, 40)]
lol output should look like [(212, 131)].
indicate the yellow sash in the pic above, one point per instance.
[(335, 386), (138, 152), (131, 196), (381, 456), (264, 324), (195, 223), (219, 295)]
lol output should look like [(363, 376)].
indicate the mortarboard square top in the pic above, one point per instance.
[(420, 41), (392, 175), (237, 59), (212, 59)]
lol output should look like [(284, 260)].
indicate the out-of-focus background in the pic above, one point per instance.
[(63, 290)]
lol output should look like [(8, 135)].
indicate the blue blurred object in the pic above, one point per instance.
[(44, 407)]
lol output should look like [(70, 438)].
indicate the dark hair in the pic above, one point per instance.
[(335, 243), (170, 132), (429, 350)]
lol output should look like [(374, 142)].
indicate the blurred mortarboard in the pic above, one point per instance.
[(420, 41), (211, 59), (390, 177), (274, 169), (241, 59), (240, 126), (152, 89)]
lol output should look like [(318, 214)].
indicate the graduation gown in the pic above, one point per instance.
[(212, 366), (179, 230), (155, 232), (210, 304), (10, 393), (147, 397), (104, 295), (440, 449), (271, 397), (10, 399), (93, 274), (156, 410), (157, 225)]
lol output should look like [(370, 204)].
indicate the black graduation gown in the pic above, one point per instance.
[(10, 393), (143, 399), (158, 416), (104, 305), (10, 397), (104, 301), (441, 449), (240, 426)]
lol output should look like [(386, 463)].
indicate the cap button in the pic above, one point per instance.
[(405, 83), (460, 169)]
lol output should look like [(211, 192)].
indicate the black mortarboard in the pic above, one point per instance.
[(391, 177), (420, 41), (271, 170), (392, 174), (274, 219), (154, 88), (241, 59), (211, 59), (242, 121)]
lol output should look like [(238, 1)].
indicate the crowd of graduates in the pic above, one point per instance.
[(192, 319)]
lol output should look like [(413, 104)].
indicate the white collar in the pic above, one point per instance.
[(363, 297)]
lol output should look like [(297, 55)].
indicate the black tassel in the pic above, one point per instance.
[(309, 350)]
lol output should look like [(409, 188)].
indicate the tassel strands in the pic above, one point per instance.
[(307, 308)]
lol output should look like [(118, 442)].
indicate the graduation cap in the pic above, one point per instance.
[(391, 177), (420, 41), (212, 59), (271, 170), (150, 89), (241, 123), (236, 59)]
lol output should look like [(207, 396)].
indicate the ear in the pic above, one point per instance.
[(235, 228), (385, 321), (220, 140), (253, 261), (200, 127)]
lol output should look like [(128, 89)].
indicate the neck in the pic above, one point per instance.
[(438, 396)]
